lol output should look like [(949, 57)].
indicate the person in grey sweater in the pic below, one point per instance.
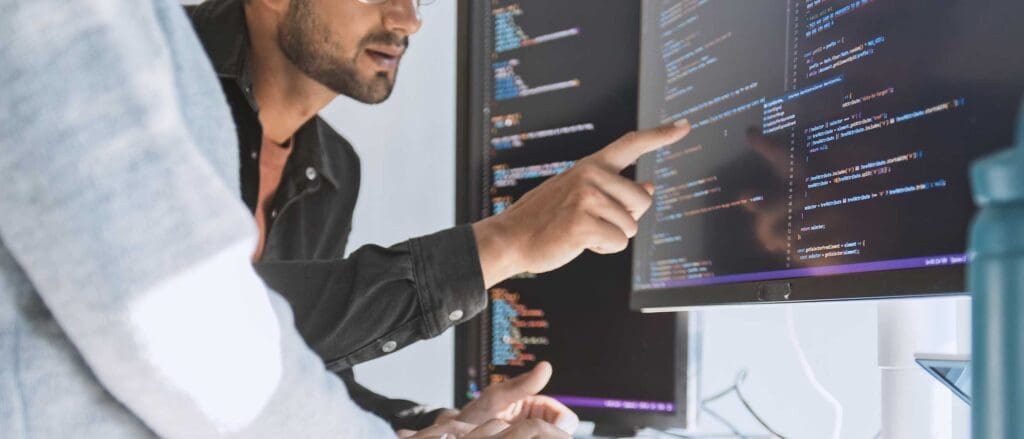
[(128, 306)]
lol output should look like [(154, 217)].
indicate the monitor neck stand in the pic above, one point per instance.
[(912, 405), (613, 430)]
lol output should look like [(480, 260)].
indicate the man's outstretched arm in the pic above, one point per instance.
[(134, 242), (381, 299)]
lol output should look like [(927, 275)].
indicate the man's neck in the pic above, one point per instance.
[(287, 98)]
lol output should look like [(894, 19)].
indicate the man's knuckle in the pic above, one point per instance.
[(646, 202), (632, 228), (590, 195), (581, 198), (587, 172)]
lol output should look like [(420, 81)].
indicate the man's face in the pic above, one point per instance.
[(351, 47)]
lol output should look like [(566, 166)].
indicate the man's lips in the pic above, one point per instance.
[(389, 50), (385, 56)]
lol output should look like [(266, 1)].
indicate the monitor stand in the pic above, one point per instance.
[(912, 405)]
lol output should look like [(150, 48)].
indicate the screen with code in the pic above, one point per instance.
[(830, 137), (551, 81)]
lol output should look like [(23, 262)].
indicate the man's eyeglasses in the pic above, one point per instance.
[(419, 3)]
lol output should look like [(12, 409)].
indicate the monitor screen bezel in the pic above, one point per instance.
[(872, 285), (468, 208)]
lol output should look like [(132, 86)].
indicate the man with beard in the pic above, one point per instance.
[(282, 61)]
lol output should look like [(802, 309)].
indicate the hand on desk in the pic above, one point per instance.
[(517, 399), (509, 409), (493, 429), (588, 207)]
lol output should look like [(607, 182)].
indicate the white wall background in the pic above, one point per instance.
[(407, 147), (840, 342)]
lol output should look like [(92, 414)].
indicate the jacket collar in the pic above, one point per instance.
[(221, 27), (223, 32), (315, 139)]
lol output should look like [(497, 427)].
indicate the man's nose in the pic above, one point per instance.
[(402, 17)]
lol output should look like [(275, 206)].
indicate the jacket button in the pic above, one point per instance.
[(455, 315), (311, 173), (273, 213), (254, 155), (389, 347)]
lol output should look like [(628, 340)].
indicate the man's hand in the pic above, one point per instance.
[(590, 206), (516, 400), (507, 410), (493, 429)]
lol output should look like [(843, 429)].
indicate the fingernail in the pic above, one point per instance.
[(568, 424), (682, 123)]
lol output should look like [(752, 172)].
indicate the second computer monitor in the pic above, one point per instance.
[(544, 83), (830, 145)]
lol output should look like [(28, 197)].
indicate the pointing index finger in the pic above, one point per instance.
[(630, 147)]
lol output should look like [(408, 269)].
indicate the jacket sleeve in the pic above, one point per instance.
[(136, 245), (379, 300)]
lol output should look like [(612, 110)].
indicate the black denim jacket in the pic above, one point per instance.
[(353, 309)]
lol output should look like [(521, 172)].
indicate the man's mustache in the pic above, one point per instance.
[(385, 38)]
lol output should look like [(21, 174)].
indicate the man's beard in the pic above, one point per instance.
[(308, 44)]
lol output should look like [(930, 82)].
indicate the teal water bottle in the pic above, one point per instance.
[(995, 278)]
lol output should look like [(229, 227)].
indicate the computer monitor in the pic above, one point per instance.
[(542, 84), (830, 145)]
